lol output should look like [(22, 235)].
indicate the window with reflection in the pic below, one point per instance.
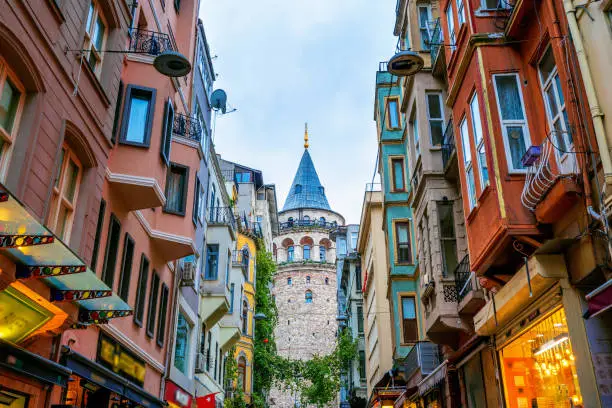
[(12, 99), (65, 194), (308, 296), (290, 251), (306, 251)]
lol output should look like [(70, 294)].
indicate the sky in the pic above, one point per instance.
[(286, 62)]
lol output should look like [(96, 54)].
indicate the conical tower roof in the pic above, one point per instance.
[(306, 189)]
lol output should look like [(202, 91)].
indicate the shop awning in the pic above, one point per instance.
[(524, 287), (30, 364), (433, 380), (103, 377), (599, 300), (39, 254)]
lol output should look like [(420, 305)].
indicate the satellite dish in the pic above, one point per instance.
[(218, 100)]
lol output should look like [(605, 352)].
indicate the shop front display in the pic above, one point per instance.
[(176, 397), (539, 366)]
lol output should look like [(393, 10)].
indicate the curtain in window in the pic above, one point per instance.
[(174, 196), (181, 350), (516, 141), (509, 97)]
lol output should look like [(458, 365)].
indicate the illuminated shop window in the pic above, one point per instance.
[(539, 367)]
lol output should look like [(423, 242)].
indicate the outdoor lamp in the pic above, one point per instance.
[(171, 63), (260, 316), (405, 63)]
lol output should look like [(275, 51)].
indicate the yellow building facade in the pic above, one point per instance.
[(244, 347)]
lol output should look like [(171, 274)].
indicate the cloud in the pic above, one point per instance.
[(286, 62)]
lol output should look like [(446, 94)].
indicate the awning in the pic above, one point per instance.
[(39, 254), (102, 376), (399, 402), (527, 285), (32, 365), (433, 380), (599, 300)]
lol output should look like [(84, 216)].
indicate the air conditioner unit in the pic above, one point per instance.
[(199, 363), (188, 274)]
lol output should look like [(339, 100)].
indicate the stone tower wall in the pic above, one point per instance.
[(304, 329)]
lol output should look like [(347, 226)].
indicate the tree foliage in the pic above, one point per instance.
[(317, 381)]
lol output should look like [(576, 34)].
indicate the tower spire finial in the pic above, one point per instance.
[(306, 135)]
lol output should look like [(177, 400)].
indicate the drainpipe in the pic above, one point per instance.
[(596, 113)]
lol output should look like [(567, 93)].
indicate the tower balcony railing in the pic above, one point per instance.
[(448, 144), (149, 42), (187, 127), (307, 224), (221, 216)]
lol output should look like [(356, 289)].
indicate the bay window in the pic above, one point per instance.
[(402, 243), (481, 156), (176, 189), (435, 117), (467, 162), (512, 118), (137, 116)]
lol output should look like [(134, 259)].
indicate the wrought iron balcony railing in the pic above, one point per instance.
[(187, 127), (541, 173), (424, 356), (149, 42), (221, 216), (448, 143), (435, 39), (463, 281), (241, 258), (307, 223)]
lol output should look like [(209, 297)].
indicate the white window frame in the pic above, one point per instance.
[(59, 198), (550, 82), (90, 34), (512, 122), (461, 12), (430, 119), (6, 149), (479, 141), (467, 162), (427, 7), (450, 24)]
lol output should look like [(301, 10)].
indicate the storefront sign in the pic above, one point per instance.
[(20, 315), (176, 396), (114, 356)]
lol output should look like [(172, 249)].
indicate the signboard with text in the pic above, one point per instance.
[(117, 358)]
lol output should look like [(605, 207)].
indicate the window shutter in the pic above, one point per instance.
[(196, 201), (167, 131)]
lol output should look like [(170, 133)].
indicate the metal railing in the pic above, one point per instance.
[(435, 39), (463, 281), (221, 216), (149, 42), (307, 223), (448, 143), (249, 227), (240, 258), (424, 355), (541, 174), (187, 127)]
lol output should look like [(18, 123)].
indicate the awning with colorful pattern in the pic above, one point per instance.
[(39, 254)]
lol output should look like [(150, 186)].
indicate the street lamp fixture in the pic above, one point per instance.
[(405, 63), (260, 316)]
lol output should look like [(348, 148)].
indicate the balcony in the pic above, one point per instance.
[(422, 359), (247, 227), (469, 293), (449, 152), (308, 224), (241, 259), (187, 127), (551, 186), (136, 192), (214, 301), (221, 216), (149, 42), (443, 324)]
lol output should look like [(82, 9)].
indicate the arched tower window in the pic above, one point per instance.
[(306, 218), (306, 251), (289, 281), (290, 253), (322, 220), (308, 296), (308, 279), (322, 253), (327, 281)]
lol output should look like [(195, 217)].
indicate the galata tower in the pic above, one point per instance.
[(305, 282)]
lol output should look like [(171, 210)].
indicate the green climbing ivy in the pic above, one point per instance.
[(236, 399), (317, 381)]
